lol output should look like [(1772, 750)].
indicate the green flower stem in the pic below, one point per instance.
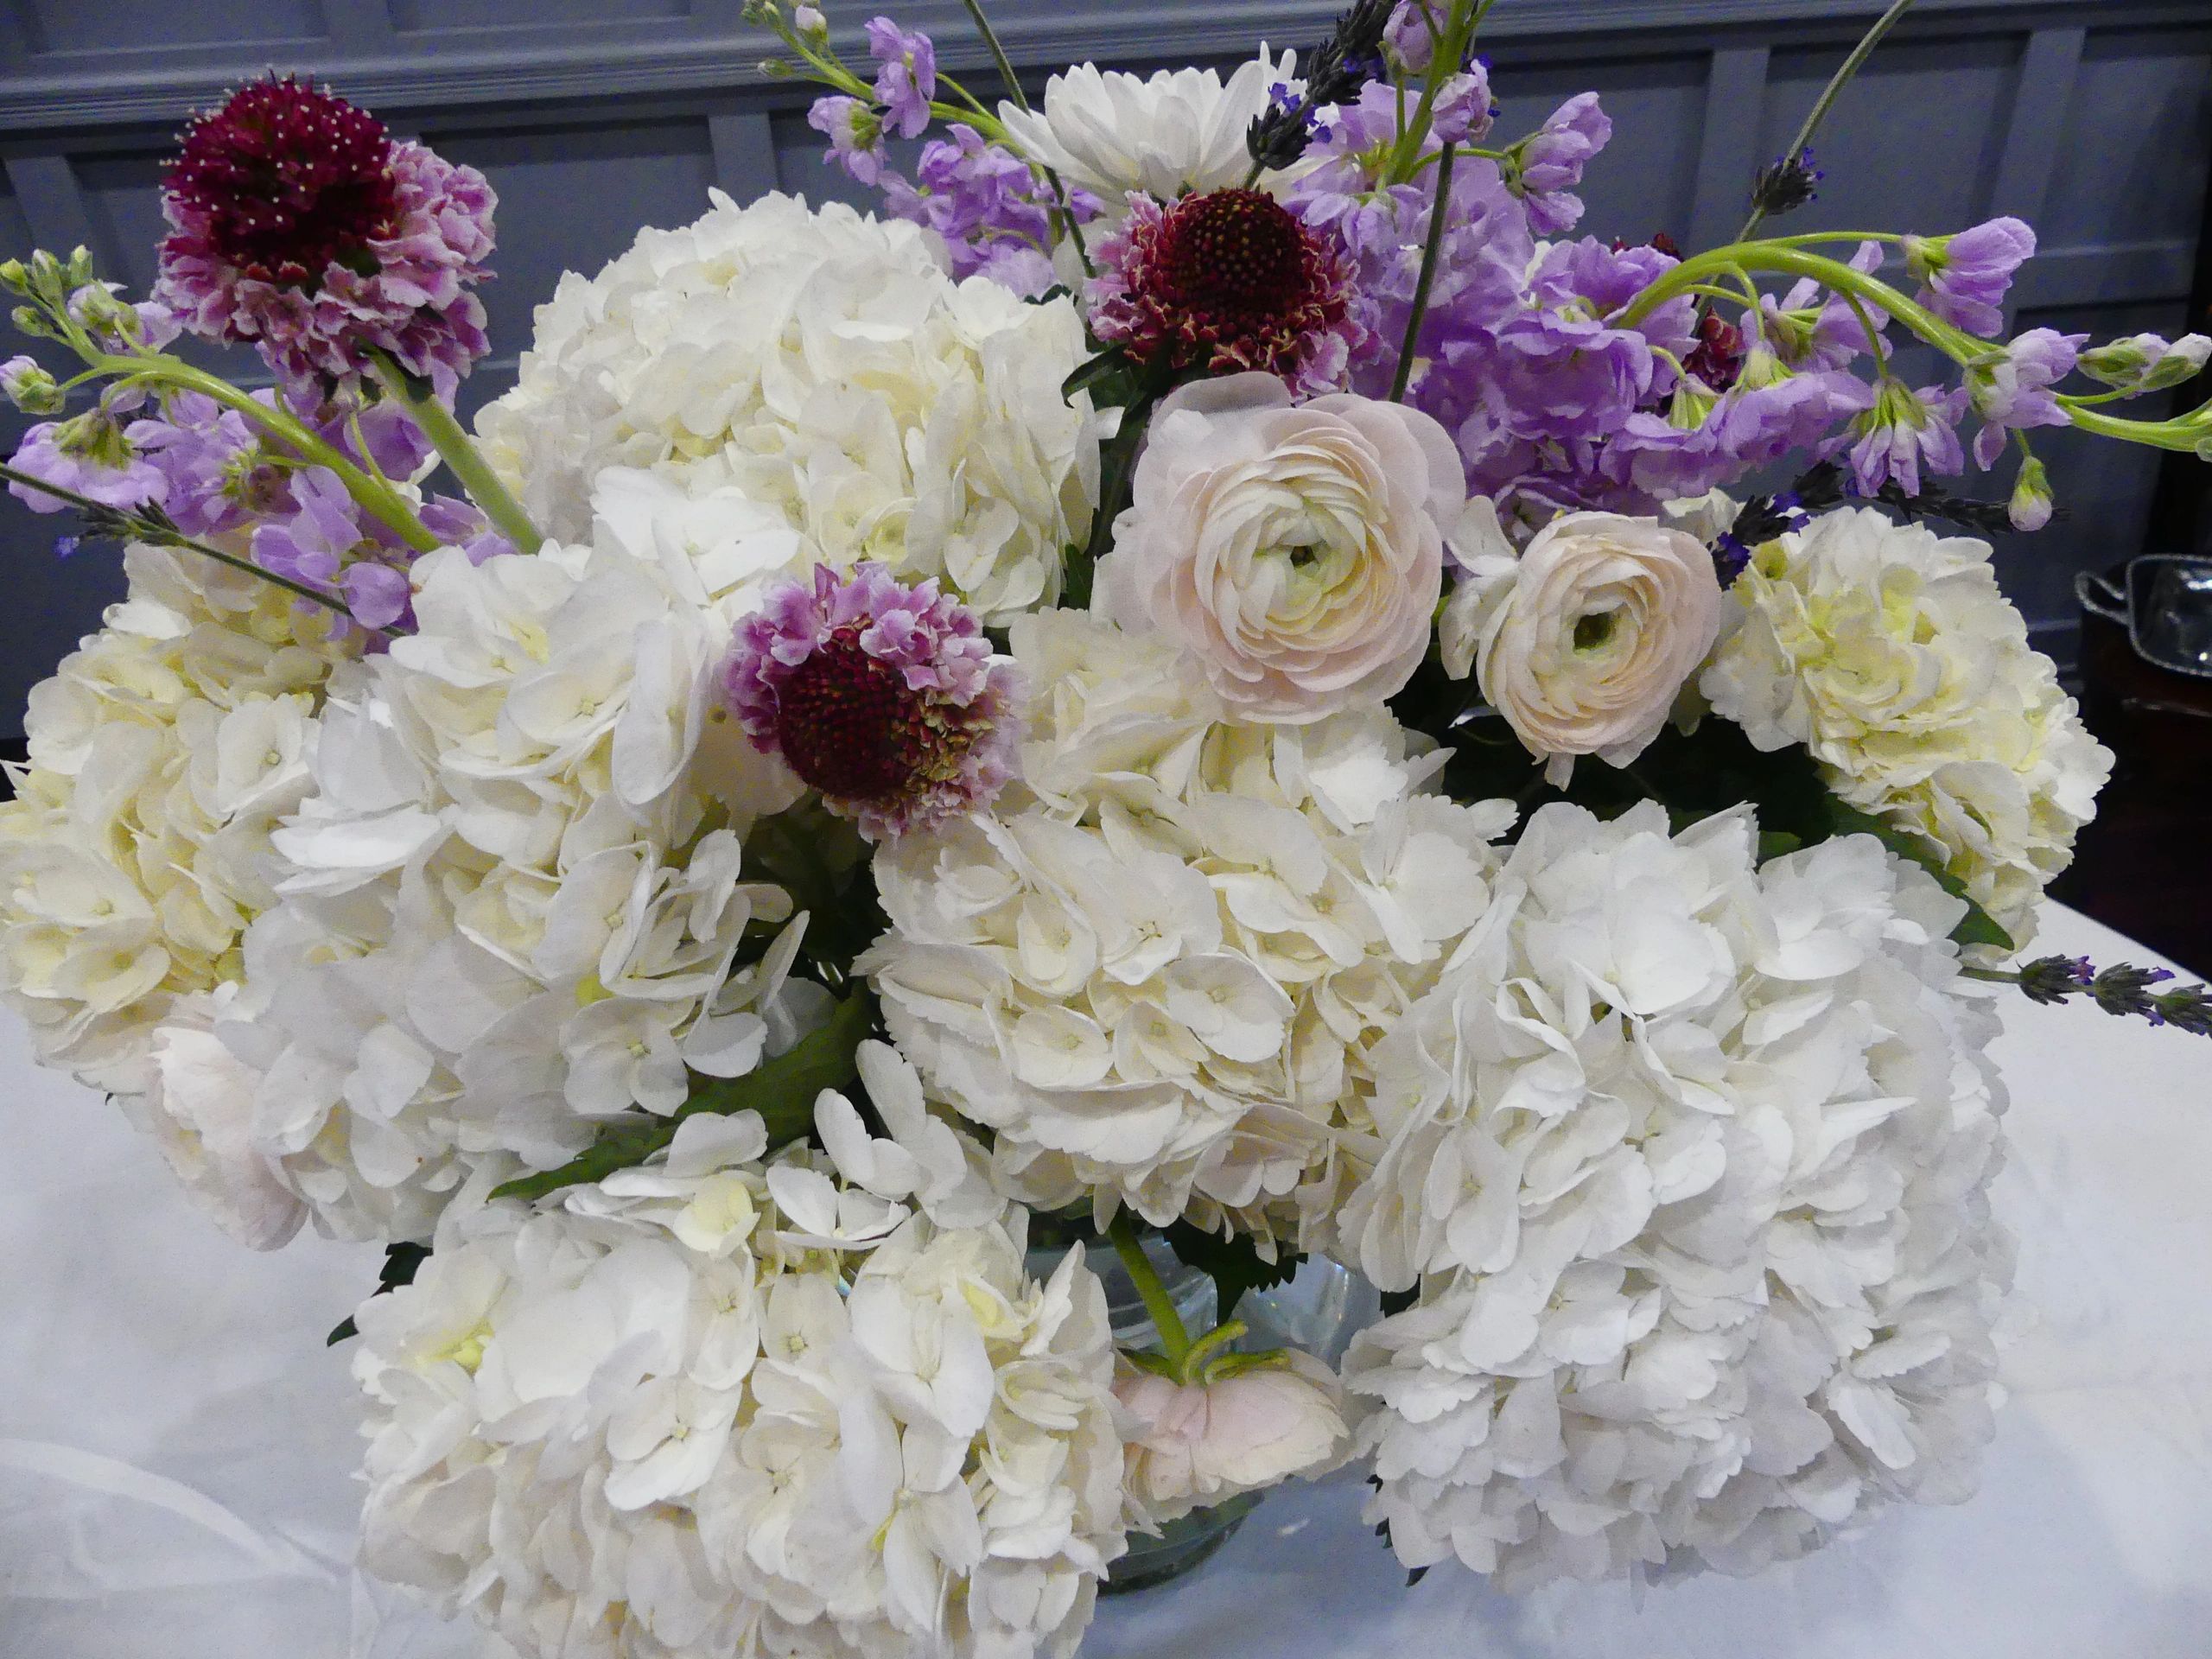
[(1458, 32), (2189, 433), (375, 495), (1842, 78), (1426, 280), (459, 452), (1782, 259), (148, 530), (1174, 1340)]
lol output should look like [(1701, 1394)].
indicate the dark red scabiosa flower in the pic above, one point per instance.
[(885, 698), (1226, 281), (299, 226), (288, 181)]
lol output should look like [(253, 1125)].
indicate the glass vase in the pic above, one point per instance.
[(1317, 1310)]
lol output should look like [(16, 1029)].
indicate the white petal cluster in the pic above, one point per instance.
[(1889, 651), (1154, 969), (713, 1407), (163, 752), (1688, 1159), (1181, 130), (826, 364), (517, 890)]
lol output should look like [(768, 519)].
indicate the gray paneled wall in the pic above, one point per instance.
[(2094, 120)]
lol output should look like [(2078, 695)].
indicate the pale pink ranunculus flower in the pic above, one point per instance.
[(1295, 550), (1584, 639), (1186, 1444)]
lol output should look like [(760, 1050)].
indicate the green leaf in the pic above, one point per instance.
[(1979, 926), (783, 1090), (1233, 1263), (401, 1263), (1090, 374)]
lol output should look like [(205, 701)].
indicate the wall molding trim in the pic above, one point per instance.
[(440, 69)]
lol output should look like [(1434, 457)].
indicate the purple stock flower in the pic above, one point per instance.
[(856, 136), (297, 225), (96, 456), (1462, 110), (2011, 389), (905, 78), (327, 542), (1547, 165), (986, 204), (1809, 332), (1410, 35), (887, 698), (462, 524), (1900, 432), (211, 458), (1964, 277)]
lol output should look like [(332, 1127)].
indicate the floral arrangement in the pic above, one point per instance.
[(1214, 679)]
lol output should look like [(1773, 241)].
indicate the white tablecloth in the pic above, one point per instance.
[(176, 1444)]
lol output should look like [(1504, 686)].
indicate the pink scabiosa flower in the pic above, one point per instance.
[(887, 698), (297, 224), (1227, 281)]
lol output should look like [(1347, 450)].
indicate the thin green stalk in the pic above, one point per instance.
[(1430, 250), (1829, 94), (1451, 52), (456, 449), (376, 497), (1174, 1339), (150, 530)]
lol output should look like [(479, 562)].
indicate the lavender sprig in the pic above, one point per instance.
[(2123, 990), (1341, 66), (1785, 184)]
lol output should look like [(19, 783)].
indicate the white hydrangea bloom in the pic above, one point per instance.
[(517, 888), (1155, 968), (163, 751), (1889, 651), (824, 364), (667, 1415), (1689, 1161)]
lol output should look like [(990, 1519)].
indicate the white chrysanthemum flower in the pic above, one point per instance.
[(163, 751), (1689, 1161), (664, 1415), (517, 890), (1155, 968), (1179, 130), (825, 364), (1889, 651)]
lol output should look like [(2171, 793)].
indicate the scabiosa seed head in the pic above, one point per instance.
[(887, 698), (288, 180), (297, 224), (1227, 281)]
